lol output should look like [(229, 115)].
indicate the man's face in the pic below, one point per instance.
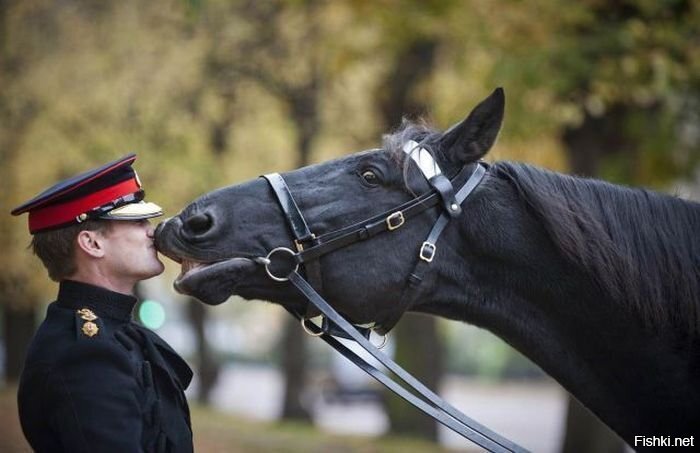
[(129, 250)]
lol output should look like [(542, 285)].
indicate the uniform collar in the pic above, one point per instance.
[(105, 303)]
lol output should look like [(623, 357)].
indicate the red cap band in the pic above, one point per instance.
[(63, 213)]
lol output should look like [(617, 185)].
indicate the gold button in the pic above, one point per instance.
[(87, 314), (90, 329)]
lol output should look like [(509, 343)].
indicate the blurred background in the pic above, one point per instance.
[(211, 92)]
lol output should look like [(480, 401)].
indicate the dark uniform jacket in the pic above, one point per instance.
[(95, 381)]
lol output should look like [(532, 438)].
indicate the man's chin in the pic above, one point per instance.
[(155, 271)]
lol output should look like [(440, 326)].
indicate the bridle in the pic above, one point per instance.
[(282, 265)]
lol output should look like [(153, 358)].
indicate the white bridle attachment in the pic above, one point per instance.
[(422, 158)]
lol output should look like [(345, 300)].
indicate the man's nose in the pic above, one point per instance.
[(151, 230)]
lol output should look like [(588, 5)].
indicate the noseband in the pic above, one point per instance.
[(282, 264)]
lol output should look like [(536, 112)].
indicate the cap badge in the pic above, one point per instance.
[(87, 314), (90, 329)]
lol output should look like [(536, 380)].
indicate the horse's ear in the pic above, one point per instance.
[(470, 139)]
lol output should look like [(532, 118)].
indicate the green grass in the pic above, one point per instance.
[(215, 431)]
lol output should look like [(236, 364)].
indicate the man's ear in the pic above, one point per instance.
[(469, 140), (91, 243)]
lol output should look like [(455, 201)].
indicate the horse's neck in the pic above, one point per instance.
[(519, 286)]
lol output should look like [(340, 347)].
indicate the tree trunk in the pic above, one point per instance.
[(419, 350), (586, 146), (294, 366), (586, 433), (207, 366), (596, 139), (303, 104), (18, 326), (418, 347)]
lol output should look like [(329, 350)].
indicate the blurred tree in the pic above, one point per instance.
[(200, 89), (620, 84), (17, 113), (60, 71), (632, 68), (418, 346), (208, 367), (280, 34)]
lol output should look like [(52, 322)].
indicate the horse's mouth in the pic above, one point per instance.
[(189, 268), (212, 283)]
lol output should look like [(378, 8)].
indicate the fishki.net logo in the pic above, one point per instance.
[(664, 441)]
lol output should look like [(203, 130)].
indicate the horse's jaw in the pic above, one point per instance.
[(213, 283)]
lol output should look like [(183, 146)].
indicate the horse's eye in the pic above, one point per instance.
[(370, 177)]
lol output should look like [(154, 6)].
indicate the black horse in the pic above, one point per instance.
[(598, 284)]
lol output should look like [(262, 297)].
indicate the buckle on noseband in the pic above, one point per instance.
[(299, 243), (427, 251), (269, 263), (395, 220)]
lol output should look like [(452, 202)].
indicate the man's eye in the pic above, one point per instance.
[(370, 177)]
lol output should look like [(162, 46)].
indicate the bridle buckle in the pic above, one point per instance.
[(427, 251), (395, 220), (299, 243)]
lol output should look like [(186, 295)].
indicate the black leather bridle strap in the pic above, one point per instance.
[(428, 408), (460, 196), (436, 407), (386, 221), (302, 234), (289, 208), (427, 252)]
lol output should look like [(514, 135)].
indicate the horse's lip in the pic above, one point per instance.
[(167, 252), (190, 267), (194, 274)]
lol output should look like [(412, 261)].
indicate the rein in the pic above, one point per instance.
[(282, 264)]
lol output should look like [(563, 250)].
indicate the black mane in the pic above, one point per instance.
[(640, 247)]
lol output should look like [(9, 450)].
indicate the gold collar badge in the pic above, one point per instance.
[(90, 329), (87, 314)]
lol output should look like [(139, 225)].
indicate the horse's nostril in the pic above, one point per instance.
[(199, 223)]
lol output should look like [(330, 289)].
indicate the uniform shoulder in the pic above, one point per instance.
[(64, 331)]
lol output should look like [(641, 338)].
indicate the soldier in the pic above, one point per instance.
[(94, 380)]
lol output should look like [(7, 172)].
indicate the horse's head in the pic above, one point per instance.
[(218, 236)]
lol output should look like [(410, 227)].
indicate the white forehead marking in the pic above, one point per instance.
[(422, 158)]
